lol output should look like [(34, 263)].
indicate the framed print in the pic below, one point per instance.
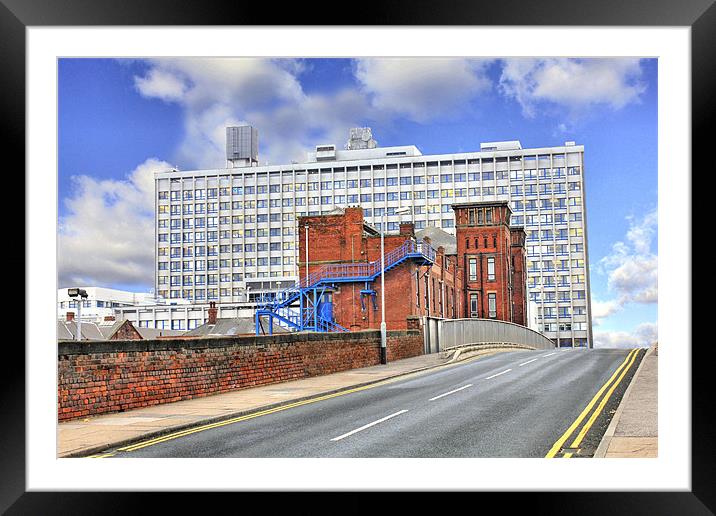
[(615, 71)]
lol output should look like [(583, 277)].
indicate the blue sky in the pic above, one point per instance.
[(121, 119)]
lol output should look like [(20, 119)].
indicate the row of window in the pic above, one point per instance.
[(175, 324), (88, 303), (201, 294), (491, 305), (561, 296), (298, 185), (472, 269), (212, 265), (549, 234), (558, 281), (551, 312), (537, 250), (553, 297), (549, 265), (566, 326), (288, 230), (214, 207)]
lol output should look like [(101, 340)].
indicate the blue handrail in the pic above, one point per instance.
[(279, 304)]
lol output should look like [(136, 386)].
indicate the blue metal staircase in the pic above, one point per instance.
[(301, 306)]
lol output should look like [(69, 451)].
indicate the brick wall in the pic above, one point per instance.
[(113, 376)]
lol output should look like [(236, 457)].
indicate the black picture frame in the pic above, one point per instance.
[(17, 15)]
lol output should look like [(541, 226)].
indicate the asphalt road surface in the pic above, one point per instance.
[(515, 404)]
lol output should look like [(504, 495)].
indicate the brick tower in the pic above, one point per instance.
[(492, 256)]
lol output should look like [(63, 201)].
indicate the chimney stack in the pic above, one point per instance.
[(70, 316), (212, 312), (109, 318), (407, 229)]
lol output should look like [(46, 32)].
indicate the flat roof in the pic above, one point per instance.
[(315, 165)]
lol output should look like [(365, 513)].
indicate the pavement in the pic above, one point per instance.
[(633, 431), (84, 437)]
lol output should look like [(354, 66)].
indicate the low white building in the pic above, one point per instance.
[(102, 302), (181, 316)]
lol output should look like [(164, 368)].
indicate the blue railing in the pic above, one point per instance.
[(305, 317), (354, 271)]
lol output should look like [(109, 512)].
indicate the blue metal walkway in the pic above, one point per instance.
[(302, 306)]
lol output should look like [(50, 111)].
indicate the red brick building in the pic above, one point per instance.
[(344, 238), (492, 257)]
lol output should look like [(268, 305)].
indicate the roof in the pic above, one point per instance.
[(231, 326), (438, 238), (104, 330), (478, 204), (68, 330), (108, 328), (370, 229), (153, 333)]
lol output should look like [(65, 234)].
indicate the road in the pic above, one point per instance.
[(515, 404)]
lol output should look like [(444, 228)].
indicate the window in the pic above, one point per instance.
[(473, 269), (491, 269), (417, 287), (492, 305)]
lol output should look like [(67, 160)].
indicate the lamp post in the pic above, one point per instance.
[(82, 294), (383, 330), (306, 226)]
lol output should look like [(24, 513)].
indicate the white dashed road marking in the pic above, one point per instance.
[(498, 374), (451, 392), (367, 426)]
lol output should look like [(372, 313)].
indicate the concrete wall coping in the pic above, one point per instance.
[(71, 347)]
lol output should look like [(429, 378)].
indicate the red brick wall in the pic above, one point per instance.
[(113, 376)]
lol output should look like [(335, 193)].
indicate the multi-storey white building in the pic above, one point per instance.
[(228, 234)]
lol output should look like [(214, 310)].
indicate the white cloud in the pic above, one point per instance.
[(631, 268), (264, 93), (107, 236), (603, 309), (574, 84), (422, 88), (162, 85), (643, 335)]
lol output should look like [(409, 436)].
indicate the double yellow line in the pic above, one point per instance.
[(619, 375)]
